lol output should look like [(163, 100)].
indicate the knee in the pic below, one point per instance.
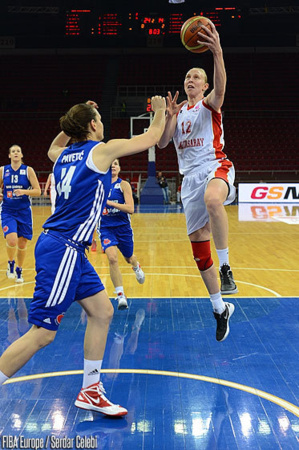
[(22, 245), (213, 204), (202, 254), (11, 241), (105, 314), (113, 260), (47, 339), (129, 260), (43, 337)]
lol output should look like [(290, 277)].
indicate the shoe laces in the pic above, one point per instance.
[(101, 387), (225, 272)]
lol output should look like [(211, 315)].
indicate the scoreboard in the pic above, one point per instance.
[(89, 23)]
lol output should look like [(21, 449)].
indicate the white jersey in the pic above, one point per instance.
[(52, 193), (198, 137)]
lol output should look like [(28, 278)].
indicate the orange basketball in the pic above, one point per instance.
[(189, 36)]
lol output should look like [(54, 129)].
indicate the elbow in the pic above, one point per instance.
[(131, 210), (161, 144)]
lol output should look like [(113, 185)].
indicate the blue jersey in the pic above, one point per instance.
[(82, 192), (113, 217), (15, 179)]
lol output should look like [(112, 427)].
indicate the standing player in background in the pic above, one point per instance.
[(63, 273), (51, 184), (19, 184), (196, 128), (115, 231)]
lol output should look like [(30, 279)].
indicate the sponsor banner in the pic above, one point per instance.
[(268, 192), (265, 212)]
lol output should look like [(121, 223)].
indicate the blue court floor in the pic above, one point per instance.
[(182, 388)]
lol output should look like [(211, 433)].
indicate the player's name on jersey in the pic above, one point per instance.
[(14, 186), (198, 142), (72, 157)]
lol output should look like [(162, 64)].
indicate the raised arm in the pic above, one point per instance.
[(170, 125), (216, 97), (104, 154), (58, 145)]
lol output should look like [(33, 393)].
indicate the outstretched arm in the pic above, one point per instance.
[(172, 110), (212, 41), (104, 154)]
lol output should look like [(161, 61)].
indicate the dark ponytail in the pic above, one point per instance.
[(75, 122)]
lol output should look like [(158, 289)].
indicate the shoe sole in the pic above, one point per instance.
[(20, 281), (122, 307), (11, 276), (231, 312), (233, 291), (85, 406)]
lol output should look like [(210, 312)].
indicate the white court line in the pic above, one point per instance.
[(183, 267), (170, 275), (17, 285)]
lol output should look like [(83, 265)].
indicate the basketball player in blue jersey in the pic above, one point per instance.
[(115, 231), (82, 174), (197, 131), (19, 185)]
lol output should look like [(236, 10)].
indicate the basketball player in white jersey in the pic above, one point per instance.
[(196, 128), (51, 184), (63, 273)]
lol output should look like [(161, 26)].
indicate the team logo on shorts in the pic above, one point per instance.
[(105, 211), (59, 318), (9, 194), (5, 229), (107, 241)]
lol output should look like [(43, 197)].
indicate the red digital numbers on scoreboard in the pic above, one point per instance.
[(85, 22), (153, 26), (72, 26), (109, 25)]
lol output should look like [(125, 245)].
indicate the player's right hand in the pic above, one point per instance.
[(172, 107), (92, 103), (158, 102)]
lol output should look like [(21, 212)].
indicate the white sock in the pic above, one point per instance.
[(3, 377), (91, 372), (223, 256), (119, 290), (217, 302)]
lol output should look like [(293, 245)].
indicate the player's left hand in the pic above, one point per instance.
[(19, 192)]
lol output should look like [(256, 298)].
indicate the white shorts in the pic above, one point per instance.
[(194, 187)]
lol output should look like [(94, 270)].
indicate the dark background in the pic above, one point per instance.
[(44, 72)]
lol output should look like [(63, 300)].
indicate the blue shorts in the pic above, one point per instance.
[(17, 221), (63, 275), (120, 236)]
